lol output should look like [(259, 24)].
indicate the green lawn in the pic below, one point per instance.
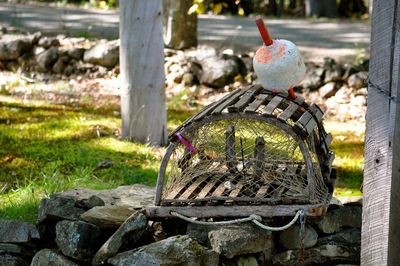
[(45, 148)]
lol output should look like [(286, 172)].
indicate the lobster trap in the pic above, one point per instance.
[(251, 152)]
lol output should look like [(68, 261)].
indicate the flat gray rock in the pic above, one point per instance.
[(48, 257), (17, 232), (111, 216), (134, 196), (133, 227), (176, 250), (77, 239), (58, 208), (241, 239), (104, 53)]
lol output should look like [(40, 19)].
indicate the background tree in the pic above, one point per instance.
[(318, 8), (142, 72), (180, 27)]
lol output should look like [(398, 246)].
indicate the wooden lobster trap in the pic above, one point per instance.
[(251, 152)]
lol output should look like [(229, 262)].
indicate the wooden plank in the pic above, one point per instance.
[(260, 99), (230, 152), (208, 187), (316, 210), (229, 101), (212, 106), (304, 122), (236, 191), (317, 112), (219, 190), (299, 100), (189, 191), (245, 99), (272, 105), (380, 237), (261, 193), (288, 112), (178, 189), (205, 111), (259, 155)]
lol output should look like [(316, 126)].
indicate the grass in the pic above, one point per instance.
[(348, 144), (46, 148)]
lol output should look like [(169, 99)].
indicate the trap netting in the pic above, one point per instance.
[(242, 160)]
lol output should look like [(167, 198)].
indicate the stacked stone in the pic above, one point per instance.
[(86, 227)]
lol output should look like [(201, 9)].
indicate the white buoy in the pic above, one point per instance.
[(278, 63)]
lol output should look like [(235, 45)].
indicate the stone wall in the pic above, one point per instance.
[(85, 227)]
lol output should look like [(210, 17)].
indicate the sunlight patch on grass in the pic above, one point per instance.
[(348, 145)]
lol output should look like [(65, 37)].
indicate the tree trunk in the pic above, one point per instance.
[(142, 72), (348, 8), (380, 236), (280, 8), (180, 28), (318, 8)]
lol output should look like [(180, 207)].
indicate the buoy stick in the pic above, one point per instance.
[(292, 94), (264, 32)]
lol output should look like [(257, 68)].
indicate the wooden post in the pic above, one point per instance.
[(142, 72), (259, 155), (381, 204), (230, 151)]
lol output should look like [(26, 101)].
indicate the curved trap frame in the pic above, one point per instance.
[(252, 152)]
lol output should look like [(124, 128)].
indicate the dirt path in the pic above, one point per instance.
[(342, 40)]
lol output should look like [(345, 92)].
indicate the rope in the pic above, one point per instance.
[(252, 218), (281, 228)]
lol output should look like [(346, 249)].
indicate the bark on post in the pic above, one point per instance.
[(381, 209), (142, 72), (180, 28)]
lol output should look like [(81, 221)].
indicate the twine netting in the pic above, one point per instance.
[(242, 161)]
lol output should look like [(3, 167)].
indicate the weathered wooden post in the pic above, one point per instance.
[(142, 72), (381, 204)]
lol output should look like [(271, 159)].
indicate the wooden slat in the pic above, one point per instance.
[(288, 112), (260, 99), (316, 111), (230, 152), (229, 101), (304, 122), (207, 188), (245, 99), (189, 191), (316, 210), (259, 154), (261, 193), (299, 100), (272, 105), (238, 187), (208, 110), (219, 190), (177, 190)]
